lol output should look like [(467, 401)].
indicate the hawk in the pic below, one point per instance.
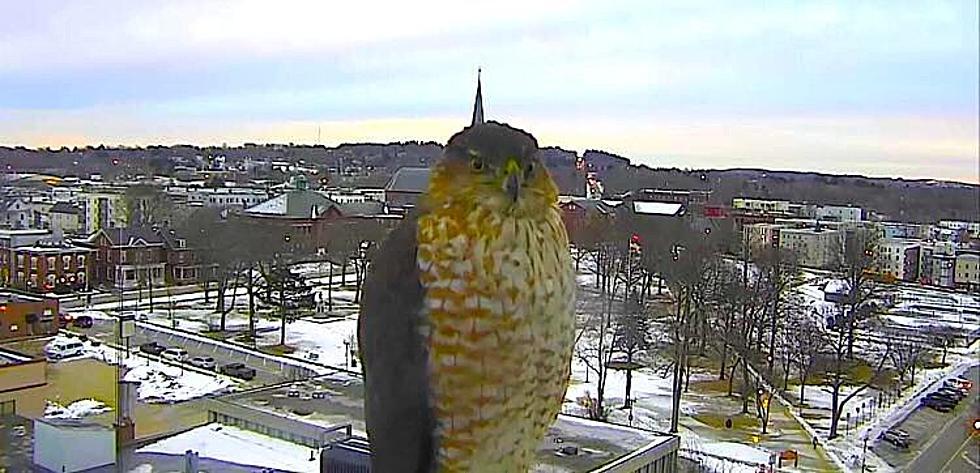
[(467, 321)]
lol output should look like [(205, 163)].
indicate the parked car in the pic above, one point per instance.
[(954, 400), (963, 382), (898, 438), (292, 393), (953, 392), (176, 354), (938, 404), (152, 348), (203, 362), (957, 385), (63, 320), (83, 321), (238, 370), (63, 349)]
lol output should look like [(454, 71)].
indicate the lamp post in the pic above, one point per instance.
[(346, 353)]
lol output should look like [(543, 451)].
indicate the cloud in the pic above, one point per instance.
[(700, 80)]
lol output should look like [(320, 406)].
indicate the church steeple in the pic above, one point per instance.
[(478, 103)]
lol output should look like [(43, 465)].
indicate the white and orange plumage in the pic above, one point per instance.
[(467, 323)]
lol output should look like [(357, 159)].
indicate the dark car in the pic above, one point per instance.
[(153, 348), (952, 392), (238, 370), (951, 397), (83, 321), (938, 404)]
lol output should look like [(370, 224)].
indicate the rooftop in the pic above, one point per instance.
[(336, 399), (409, 179), (16, 297)]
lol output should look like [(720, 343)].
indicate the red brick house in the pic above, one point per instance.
[(48, 267), (129, 257)]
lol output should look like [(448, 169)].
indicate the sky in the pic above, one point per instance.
[(887, 88)]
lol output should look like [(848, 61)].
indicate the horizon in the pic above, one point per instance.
[(873, 89)]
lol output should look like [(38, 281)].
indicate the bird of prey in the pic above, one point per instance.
[(467, 321)]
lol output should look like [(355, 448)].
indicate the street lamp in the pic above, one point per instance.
[(346, 353)]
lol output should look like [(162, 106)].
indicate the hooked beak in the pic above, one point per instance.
[(512, 179)]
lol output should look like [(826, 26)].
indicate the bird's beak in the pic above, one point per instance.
[(512, 179)]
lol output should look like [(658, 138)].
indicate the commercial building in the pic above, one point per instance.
[(762, 235), (761, 205), (24, 315), (22, 383), (899, 259), (839, 213), (813, 247), (104, 209)]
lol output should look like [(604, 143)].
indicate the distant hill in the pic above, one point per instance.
[(900, 199)]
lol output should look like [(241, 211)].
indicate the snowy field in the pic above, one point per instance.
[(243, 447), (159, 382)]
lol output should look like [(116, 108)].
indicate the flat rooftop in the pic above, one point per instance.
[(336, 399), (7, 297)]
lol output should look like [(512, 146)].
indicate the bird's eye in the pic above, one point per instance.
[(529, 169), (476, 164)]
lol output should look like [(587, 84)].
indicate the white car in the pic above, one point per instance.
[(176, 354), (63, 349), (203, 362)]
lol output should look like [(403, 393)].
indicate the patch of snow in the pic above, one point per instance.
[(161, 383), (76, 410), (235, 445)]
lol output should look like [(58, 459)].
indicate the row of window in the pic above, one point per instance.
[(51, 260)]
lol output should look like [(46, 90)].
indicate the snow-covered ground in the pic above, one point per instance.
[(244, 447), (712, 455), (159, 382), (76, 410)]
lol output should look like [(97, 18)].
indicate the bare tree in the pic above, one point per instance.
[(632, 338), (858, 269), (805, 338), (906, 354), (841, 368)]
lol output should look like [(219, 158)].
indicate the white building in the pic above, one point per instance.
[(899, 258), (839, 213), (937, 262), (761, 205), (967, 272), (814, 247)]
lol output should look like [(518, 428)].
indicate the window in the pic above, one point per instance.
[(51, 262), (66, 261), (8, 407), (33, 262), (81, 260)]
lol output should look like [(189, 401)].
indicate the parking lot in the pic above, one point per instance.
[(930, 430), (267, 371)]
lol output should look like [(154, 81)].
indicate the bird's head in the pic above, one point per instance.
[(495, 166)]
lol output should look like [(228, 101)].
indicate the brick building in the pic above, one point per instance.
[(24, 315)]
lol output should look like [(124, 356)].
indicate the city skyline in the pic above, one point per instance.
[(871, 89)]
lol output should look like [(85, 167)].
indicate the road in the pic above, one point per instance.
[(944, 441)]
